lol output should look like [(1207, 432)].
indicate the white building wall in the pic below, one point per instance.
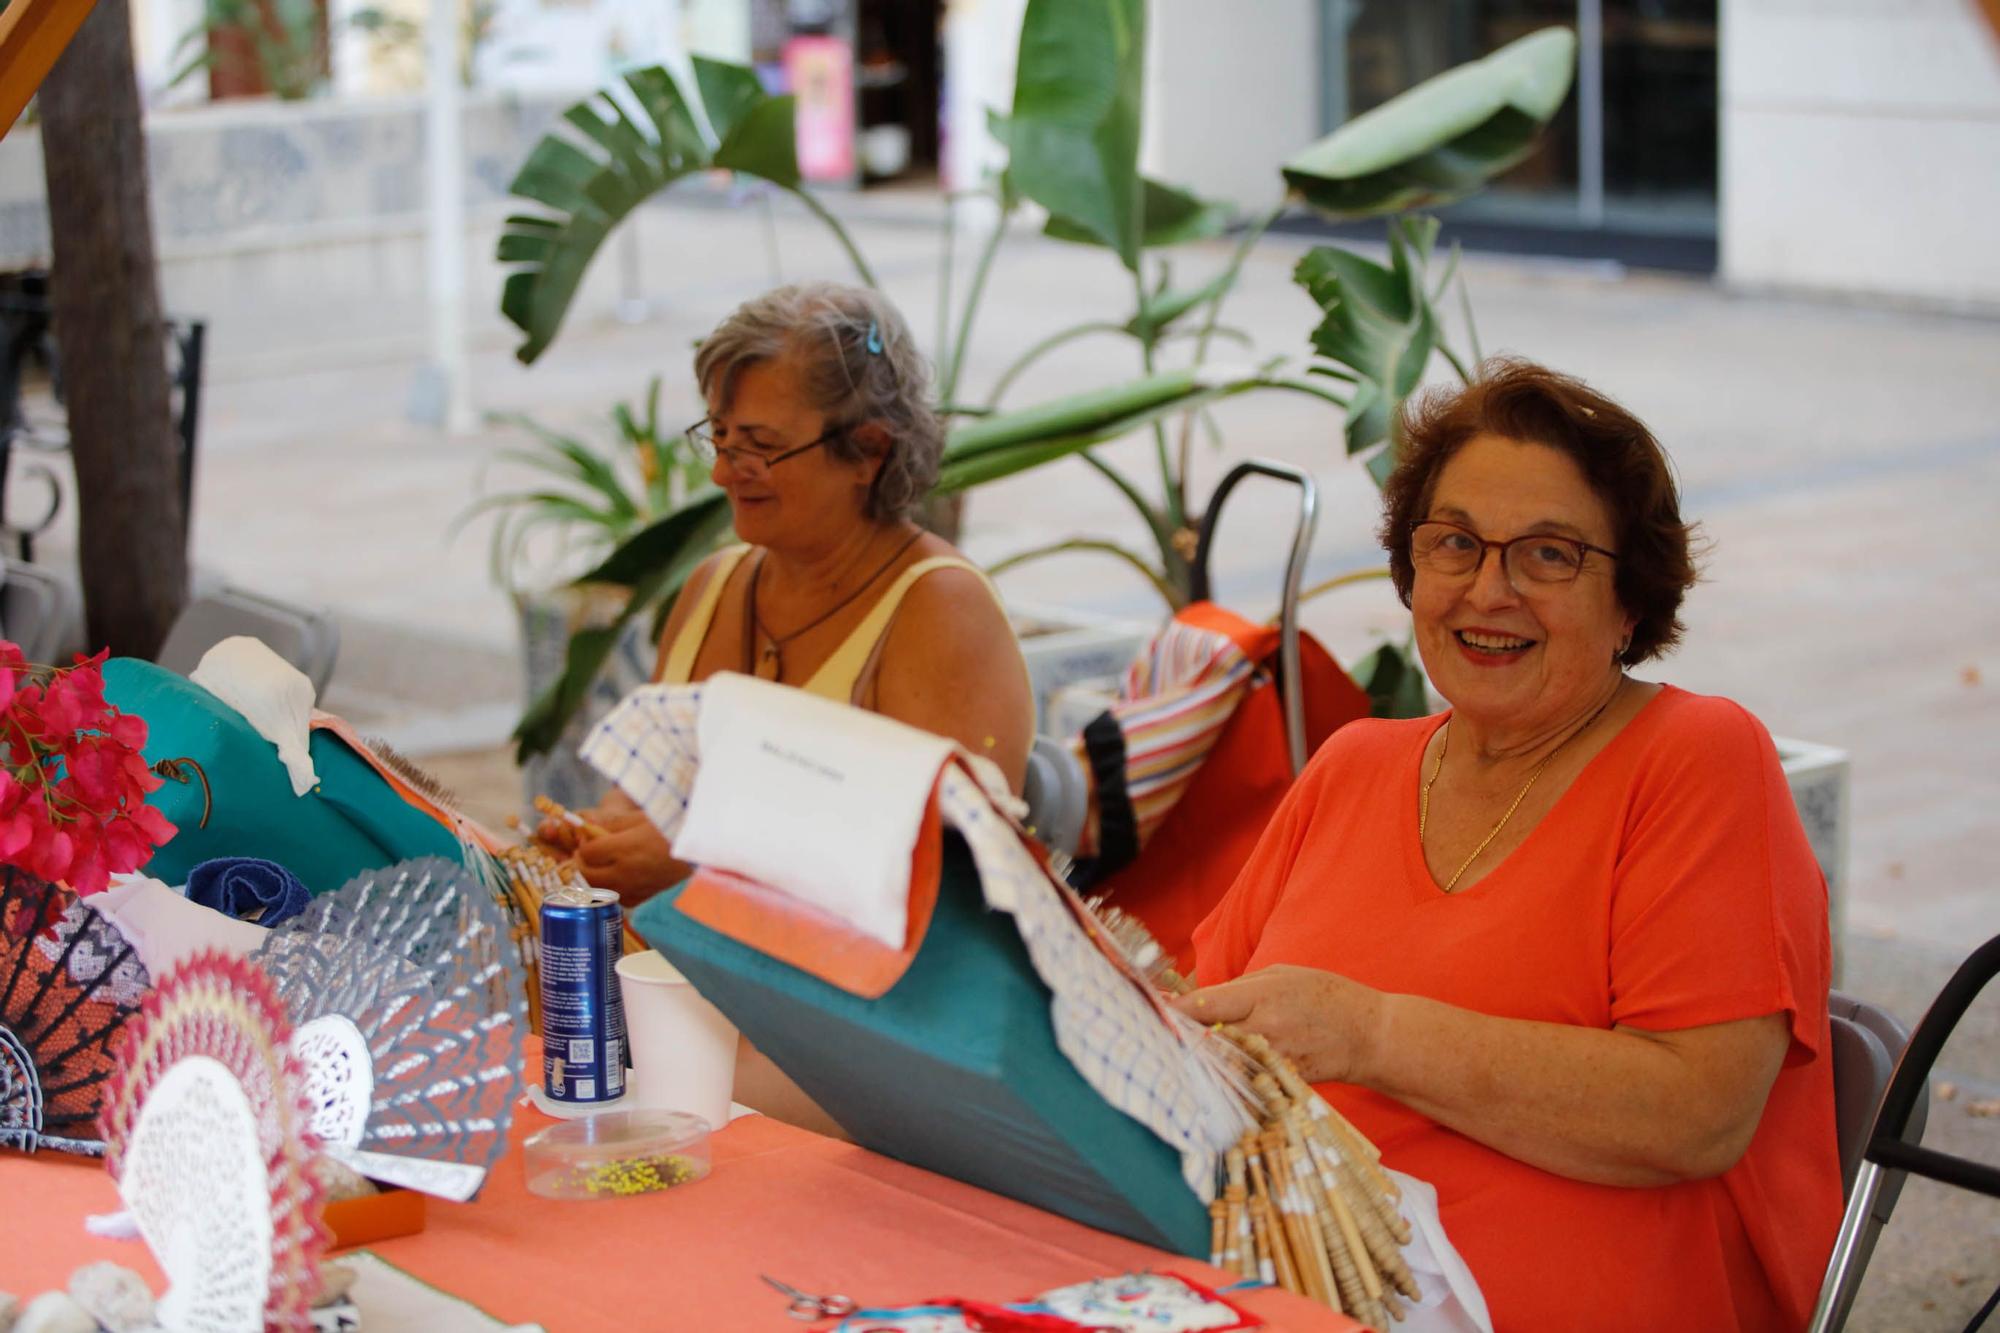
[(1861, 148), (1232, 90)]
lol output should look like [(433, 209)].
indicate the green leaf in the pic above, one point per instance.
[(1163, 308), (1378, 323), (1070, 415), (654, 563), (1003, 445), (1393, 680), (1443, 138), (592, 177), (728, 93), (1170, 217), (763, 144), (542, 725), (677, 542), (1073, 136)]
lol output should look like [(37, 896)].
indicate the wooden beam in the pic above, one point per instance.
[(1991, 8), (33, 33)]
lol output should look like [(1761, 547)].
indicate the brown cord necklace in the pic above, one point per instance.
[(1424, 796), (774, 644)]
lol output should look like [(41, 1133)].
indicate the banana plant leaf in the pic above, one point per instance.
[(1004, 444), (1443, 138), (1379, 322), (1073, 135), (654, 563), (630, 142), (1169, 216)]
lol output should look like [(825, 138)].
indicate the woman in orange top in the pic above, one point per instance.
[(1561, 951)]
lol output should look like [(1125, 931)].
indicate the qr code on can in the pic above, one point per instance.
[(582, 1050)]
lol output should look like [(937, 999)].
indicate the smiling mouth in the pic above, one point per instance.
[(1498, 645)]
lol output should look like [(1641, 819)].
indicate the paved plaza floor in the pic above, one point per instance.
[(1844, 461)]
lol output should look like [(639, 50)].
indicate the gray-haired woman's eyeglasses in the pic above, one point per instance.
[(1538, 558), (748, 460)]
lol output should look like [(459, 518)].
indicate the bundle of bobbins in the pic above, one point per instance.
[(1304, 1202)]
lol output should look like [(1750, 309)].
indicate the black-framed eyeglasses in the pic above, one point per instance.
[(748, 460), (1539, 558)]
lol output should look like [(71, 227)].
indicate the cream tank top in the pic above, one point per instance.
[(840, 675)]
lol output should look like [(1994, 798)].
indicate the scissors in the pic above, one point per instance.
[(806, 1306)]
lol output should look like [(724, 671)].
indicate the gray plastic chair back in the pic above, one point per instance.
[(307, 638), (41, 610), (1867, 1040), (1057, 794)]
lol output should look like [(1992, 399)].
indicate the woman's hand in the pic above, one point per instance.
[(631, 856), (1327, 1024)]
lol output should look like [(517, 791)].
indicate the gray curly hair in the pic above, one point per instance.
[(859, 364)]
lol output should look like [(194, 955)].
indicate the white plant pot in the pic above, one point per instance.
[(1818, 776), (1063, 648), (547, 620)]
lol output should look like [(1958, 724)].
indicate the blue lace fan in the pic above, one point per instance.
[(408, 1008), (69, 982)]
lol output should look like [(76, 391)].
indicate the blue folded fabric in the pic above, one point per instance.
[(248, 887)]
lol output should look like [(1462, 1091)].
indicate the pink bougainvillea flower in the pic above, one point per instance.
[(73, 778)]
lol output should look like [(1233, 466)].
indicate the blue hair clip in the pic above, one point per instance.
[(874, 339)]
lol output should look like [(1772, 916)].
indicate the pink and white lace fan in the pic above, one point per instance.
[(206, 1125)]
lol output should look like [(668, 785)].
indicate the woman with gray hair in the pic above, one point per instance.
[(821, 433)]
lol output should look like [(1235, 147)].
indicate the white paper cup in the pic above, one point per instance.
[(683, 1049)]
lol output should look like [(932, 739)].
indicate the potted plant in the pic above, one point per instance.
[(583, 502), (1072, 133)]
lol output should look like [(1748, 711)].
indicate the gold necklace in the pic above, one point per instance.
[(1424, 796)]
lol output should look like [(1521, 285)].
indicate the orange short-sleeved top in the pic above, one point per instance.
[(1670, 887)]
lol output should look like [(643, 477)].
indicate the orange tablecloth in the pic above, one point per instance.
[(821, 1215)]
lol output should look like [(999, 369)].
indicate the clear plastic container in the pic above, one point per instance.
[(616, 1154)]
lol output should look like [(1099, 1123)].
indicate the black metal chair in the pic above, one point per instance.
[(1891, 1149)]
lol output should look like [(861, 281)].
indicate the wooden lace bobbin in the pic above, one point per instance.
[(1242, 1227), (1362, 1196), (1382, 1248), (1350, 1235), (1353, 1145), (1271, 1229), (1218, 1257), (1347, 1277), (1334, 1182), (1307, 1243)]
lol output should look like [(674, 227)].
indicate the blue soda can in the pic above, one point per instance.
[(583, 1013)]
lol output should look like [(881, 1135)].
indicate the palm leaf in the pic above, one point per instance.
[(1073, 135), (1443, 138), (623, 145)]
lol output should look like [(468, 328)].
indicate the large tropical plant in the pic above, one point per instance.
[(1072, 135)]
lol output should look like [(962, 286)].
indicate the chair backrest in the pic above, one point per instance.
[(41, 610), (307, 638), (1867, 1039)]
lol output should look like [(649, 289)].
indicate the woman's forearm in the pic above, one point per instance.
[(1617, 1107)]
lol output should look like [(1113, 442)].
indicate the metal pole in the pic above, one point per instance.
[(445, 217), (1590, 112)]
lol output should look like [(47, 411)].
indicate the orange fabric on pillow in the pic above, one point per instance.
[(1670, 887)]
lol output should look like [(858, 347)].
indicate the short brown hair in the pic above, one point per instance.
[(859, 364), (1619, 457)]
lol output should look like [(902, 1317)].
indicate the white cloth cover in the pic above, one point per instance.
[(273, 696), (165, 928)]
